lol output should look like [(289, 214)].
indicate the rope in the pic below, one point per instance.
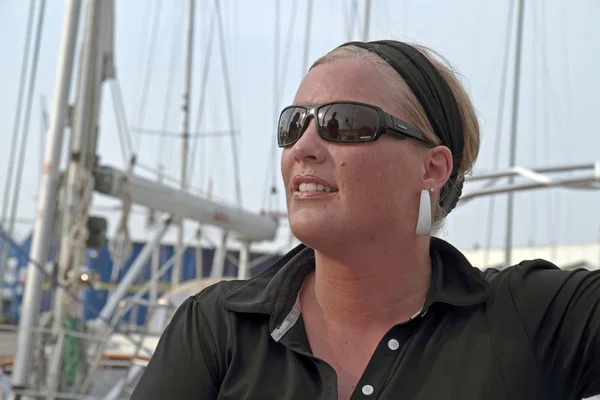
[(79, 232), (74, 366), (121, 248)]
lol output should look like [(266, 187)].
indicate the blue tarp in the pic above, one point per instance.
[(101, 262)]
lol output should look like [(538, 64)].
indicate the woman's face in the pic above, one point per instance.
[(376, 185)]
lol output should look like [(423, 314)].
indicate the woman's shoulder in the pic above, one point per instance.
[(210, 291), (558, 310), (208, 297), (537, 285), (533, 277), (197, 302), (537, 272), (523, 270)]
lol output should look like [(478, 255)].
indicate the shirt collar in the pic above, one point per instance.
[(454, 281)]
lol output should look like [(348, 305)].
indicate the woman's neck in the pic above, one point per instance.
[(383, 286)]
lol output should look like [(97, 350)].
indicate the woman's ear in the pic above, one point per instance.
[(438, 167)]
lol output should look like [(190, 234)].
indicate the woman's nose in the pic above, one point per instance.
[(310, 147)]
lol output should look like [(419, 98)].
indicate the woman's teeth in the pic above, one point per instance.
[(314, 187)]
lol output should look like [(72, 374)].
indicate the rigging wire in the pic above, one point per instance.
[(545, 94), (555, 199), (123, 133), (149, 66), (527, 229), (14, 139), (353, 19), (228, 97), (140, 63), (350, 18), (276, 63), (197, 165), (228, 20), (406, 19), (204, 82), (26, 130), (268, 195), (346, 17), (480, 21), (288, 46), (267, 200), (193, 146), (567, 140), (237, 56), (121, 115), (544, 113), (212, 157), (514, 126), (175, 53), (535, 119), (234, 54), (499, 126), (45, 120), (281, 86), (567, 75), (366, 20)]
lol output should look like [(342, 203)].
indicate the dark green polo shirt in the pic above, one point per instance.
[(528, 332)]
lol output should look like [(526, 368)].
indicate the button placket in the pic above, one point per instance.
[(383, 360)]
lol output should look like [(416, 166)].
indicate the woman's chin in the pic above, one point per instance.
[(311, 231), (320, 233)]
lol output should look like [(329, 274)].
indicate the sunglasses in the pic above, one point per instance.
[(343, 122)]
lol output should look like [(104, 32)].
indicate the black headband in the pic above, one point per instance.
[(435, 96)]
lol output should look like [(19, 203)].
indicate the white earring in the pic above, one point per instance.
[(424, 218)]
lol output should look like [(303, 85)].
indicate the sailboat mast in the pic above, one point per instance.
[(47, 197), (307, 37), (367, 21), (185, 136), (513, 134)]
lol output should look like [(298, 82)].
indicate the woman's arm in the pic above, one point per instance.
[(560, 311), (183, 365)]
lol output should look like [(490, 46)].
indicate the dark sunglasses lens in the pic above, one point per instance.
[(290, 125), (345, 122)]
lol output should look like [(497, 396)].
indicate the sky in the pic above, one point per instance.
[(557, 124)]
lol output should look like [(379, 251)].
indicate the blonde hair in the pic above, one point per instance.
[(412, 110)]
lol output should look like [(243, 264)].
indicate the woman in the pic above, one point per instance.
[(371, 306)]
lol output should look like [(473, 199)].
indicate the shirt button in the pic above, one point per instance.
[(393, 344), (368, 390)]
